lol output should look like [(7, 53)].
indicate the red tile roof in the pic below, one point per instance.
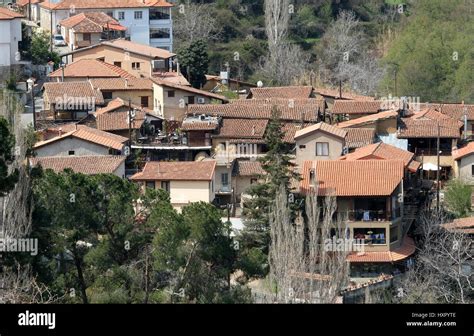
[(177, 171), (427, 128), (99, 164), (334, 93), (117, 121), (357, 107), (380, 151), (289, 102), (322, 126), (118, 103), (91, 68), (248, 111), (429, 113), (463, 225), (92, 22), (404, 251), (369, 119), (464, 151), (289, 130), (122, 84), (352, 178), (83, 91), (199, 125), (455, 111), (281, 92), (6, 14), (86, 133), (242, 128), (248, 168), (359, 137), (98, 4)]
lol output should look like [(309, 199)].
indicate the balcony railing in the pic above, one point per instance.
[(364, 215)]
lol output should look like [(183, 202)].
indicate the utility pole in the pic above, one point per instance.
[(29, 10), (130, 122), (51, 27), (437, 171)]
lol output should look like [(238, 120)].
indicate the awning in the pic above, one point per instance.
[(400, 253), (430, 167)]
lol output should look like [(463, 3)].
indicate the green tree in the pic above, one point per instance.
[(7, 143), (194, 62), (255, 237), (40, 49), (458, 197)]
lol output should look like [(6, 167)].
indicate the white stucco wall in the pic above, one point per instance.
[(80, 148)]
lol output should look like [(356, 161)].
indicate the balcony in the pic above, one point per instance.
[(172, 141), (364, 215), (432, 152), (224, 190)]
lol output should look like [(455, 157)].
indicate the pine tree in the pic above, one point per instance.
[(255, 237), (7, 142)]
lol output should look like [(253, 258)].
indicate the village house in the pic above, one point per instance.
[(70, 101), (383, 122), (352, 109), (286, 92), (137, 90), (148, 22), (78, 140), (138, 59), (90, 165), (186, 182), (359, 137), (244, 174), (10, 26), (319, 142), (464, 163), (171, 99), (85, 29), (85, 69), (367, 193)]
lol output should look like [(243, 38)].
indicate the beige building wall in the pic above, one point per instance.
[(309, 151), (463, 169), (135, 96), (112, 55), (173, 108), (62, 148)]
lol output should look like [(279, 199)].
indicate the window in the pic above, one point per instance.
[(71, 153), (144, 101), (472, 170), (102, 59), (136, 65), (370, 235), (322, 148), (121, 15), (86, 36), (159, 13), (150, 184), (302, 146), (107, 95), (138, 15), (111, 14), (225, 179), (171, 94), (165, 185), (119, 64), (253, 180), (191, 100), (156, 33)]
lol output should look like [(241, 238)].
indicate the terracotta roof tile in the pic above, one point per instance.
[(290, 128), (248, 168), (464, 151), (368, 119), (122, 84), (397, 254), (357, 107), (98, 4), (282, 92), (92, 22), (308, 102), (91, 68), (322, 126), (6, 14), (427, 128), (334, 93), (380, 151), (100, 164), (455, 111), (242, 128), (199, 125), (429, 113), (118, 103), (82, 91), (117, 121), (464, 225), (352, 178), (182, 171), (359, 137), (248, 111), (86, 133)]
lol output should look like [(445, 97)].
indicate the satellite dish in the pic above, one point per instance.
[(260, 84)]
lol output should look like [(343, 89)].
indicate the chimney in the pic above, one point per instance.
[(60, 131), (126, 83), (253, 130)]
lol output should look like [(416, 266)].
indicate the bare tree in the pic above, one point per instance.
[(301, 266), (277, 17), (445, 263), (193, 22)]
